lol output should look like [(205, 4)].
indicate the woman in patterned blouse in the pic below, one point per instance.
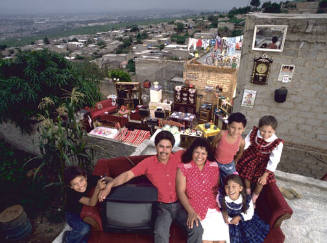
[(196, 184)]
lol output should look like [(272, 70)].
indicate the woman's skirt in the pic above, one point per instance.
[(214, 226)]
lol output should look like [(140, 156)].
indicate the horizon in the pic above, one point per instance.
[(44, 7)]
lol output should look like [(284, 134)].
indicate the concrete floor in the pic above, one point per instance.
[(308, 223)]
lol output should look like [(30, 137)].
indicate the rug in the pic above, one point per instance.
[(134, 137)]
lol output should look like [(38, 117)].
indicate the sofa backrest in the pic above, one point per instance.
[(115, 166), (103, 104)]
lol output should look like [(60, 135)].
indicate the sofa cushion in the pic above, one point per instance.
[(98, 113)]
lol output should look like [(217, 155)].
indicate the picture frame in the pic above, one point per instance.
[(269, 38), (248, 98), (286, 73)]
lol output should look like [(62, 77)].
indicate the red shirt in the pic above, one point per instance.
[(200, 186), (225, 152), (162, 176)]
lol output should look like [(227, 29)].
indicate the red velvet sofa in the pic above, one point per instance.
[(271, 207), (101, 107)]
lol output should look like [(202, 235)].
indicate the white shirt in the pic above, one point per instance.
[(275, 155), (249, 212)]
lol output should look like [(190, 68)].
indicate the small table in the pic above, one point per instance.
[(182, 117), (208, 132)]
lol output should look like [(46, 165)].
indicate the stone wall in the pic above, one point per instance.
[(113, 60), (25, 142), (30, 143), (305, 7), (158, 70), (303, 116)]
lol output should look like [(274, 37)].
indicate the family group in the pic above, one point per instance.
[(210, 189)]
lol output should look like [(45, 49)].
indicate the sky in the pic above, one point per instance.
[(79, 6)]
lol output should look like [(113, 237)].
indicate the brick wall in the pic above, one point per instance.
[(303, 117), (201, 75)]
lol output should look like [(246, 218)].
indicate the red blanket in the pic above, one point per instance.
[(135, 137)]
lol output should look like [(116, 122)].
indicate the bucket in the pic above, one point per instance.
[(14, 223)]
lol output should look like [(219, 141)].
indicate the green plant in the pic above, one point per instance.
[(255, 3), (33, 75), (102, 44), (131, 65), (269, 7), (10, 169), (134, 28), (62, 140), (179, 39), (119, 74), (46, 40), (180, 27)]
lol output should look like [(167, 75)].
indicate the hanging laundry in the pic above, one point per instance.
[(192, 43), (205, 43), (199, 43), (212, 42), (216, 45)]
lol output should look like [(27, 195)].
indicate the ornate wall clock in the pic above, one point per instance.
[(260, 70)]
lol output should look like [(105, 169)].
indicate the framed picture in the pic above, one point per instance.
[(248, 98), (286, 73), (269, 38)]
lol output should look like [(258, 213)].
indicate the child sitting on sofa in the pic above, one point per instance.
[(238, 212), (79, 185)]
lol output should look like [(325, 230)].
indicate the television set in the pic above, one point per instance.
[(129, 208)]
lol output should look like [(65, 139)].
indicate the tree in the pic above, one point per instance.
[(46, 40), (179, 27), (134, 28), (139, 38), (323, 4), (3, 47), (62, 140), (73, 40), (269, 7), (102, 44), (32, 75), (214, 21), (131, 65), (119, 74), (255, 3)]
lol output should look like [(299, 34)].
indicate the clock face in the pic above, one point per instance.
[(262, 68)]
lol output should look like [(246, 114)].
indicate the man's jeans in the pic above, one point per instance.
[(165, 214), (80, 229)]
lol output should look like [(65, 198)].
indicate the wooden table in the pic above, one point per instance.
[(208, 132)]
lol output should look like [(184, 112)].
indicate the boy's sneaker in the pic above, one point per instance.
[(64, 236)]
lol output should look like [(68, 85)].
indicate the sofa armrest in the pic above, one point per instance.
[(91, 216), (272, 206)]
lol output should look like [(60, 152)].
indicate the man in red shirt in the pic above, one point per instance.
[(161, 171)]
